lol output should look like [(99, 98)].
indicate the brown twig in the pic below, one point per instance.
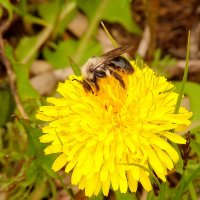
[(11, 79)]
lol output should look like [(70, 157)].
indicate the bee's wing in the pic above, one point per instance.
[(112, 54)]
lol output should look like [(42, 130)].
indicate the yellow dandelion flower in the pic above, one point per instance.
[(105, 138)]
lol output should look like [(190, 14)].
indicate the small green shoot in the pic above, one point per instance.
[(109, 35), (76, 69), (181, 93)]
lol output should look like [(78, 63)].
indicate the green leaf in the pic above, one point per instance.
[(192, 90), (125, 196), (59, 57), (47, 162), (24, 88), (48, 10), (6, 106), (35, 20), (33, 171), (35, 148), (93, 49), (24, 48), (111, 12), (41, 167), (75, 68)]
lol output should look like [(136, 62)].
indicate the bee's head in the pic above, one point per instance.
[(89, 68)]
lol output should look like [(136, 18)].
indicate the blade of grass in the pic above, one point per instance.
[(181, 93), (185, 183), (109, 35), (192, 192)]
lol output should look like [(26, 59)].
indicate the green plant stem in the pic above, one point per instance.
[(192, 192), (68, 8), (69, 191), (90, 31), (53, 189), (45, 34)]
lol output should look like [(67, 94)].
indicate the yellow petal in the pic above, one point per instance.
[(104, 173), (154, 161), (47, 138), (164, 158), (53, 149), (174, 138), (123, 185), (167, 147), (91, 185), (106, 186), (76, 175), (144, 180), (115, 180), (59, 162), (133, 184)]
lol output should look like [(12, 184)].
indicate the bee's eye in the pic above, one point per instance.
[(100, 74)]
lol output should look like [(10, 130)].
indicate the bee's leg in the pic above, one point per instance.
[(95, 82), (86, 85), (118, 77)]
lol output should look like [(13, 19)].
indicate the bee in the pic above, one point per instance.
[(109, 64)]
